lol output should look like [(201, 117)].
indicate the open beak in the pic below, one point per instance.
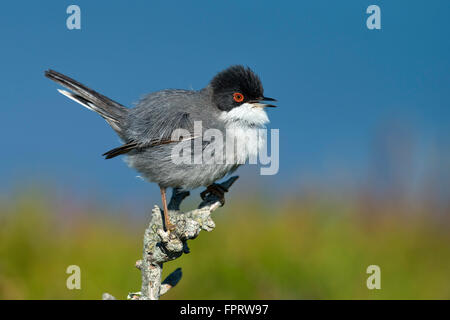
[(257, 103)]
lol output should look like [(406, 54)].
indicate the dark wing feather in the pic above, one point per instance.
[(182, 120), (125, 148)]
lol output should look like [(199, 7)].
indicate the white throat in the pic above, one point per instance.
[(246, 113), (243, 124)]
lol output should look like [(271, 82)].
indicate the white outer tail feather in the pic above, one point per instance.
[(74, 98), (112, 122)]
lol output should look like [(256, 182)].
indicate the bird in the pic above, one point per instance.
[(233, 101)]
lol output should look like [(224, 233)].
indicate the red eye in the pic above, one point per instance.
[(238, 97)]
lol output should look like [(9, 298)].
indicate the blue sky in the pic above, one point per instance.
[(339, 85)]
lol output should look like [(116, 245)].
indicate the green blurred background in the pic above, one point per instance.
[(305, 247)]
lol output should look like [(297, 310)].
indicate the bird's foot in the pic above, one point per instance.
[(170, 227), (217, 190)]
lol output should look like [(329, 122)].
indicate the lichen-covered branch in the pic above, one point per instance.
[(162, 246)]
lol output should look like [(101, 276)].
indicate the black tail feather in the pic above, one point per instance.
[(112, 111)]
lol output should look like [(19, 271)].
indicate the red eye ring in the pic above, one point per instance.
[(238, 97)]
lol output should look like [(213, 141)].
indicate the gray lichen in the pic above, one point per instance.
[(162, 246)]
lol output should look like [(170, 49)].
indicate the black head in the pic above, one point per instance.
[(235, 86)]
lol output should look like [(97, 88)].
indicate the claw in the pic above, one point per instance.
[(171, 227), (217, 190)]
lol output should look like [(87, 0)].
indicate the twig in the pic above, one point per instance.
[(161, 246)]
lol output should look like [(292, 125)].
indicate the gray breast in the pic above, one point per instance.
[(155, 164)]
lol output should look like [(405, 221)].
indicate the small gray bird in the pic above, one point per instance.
[(231, 102)]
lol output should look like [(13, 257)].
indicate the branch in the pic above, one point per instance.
[(161, 246)]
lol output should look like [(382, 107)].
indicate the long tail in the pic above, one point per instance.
[(114, 113)]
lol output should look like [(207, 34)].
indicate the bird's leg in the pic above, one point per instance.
[(168, 225), (217, 190)]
